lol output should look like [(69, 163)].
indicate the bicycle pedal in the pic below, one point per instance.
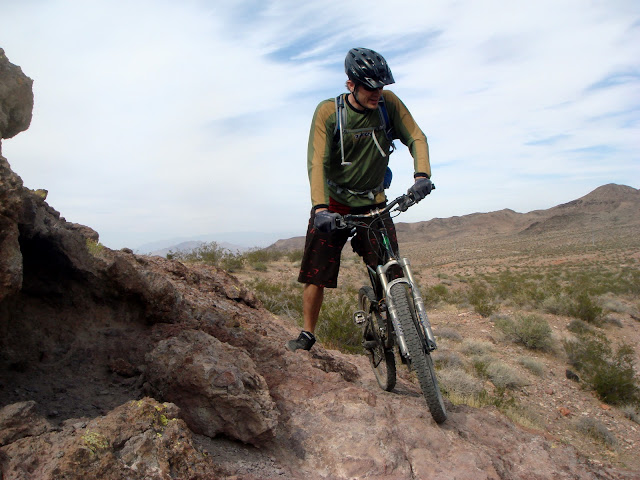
[(359, 317)]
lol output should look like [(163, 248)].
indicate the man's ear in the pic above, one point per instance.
[(351, 85)]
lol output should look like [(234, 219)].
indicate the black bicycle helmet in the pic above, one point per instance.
[(367, 67)]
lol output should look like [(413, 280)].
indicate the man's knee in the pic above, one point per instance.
[(312, 289)]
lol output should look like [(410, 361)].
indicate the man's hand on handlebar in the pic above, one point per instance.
[(420, 189), (325, 221)]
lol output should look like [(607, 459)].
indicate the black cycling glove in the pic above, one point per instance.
[(420, 189), (325, 221)]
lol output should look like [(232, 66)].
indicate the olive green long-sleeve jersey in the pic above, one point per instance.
[(365, 173)]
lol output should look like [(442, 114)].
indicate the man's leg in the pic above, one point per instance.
[(318, 270), (312, 297)]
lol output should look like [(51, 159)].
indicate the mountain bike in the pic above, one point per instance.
[(391, 310)]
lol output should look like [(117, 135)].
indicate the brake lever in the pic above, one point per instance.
[(405, 203)]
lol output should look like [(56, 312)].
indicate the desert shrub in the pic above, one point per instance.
[(232, 262), (262, 255), (94, 248), (455, 381), (503, 376), (596, 430), (507, 284), (447, 359), (471, 346), (631, 412), (609, 373), (295, 255), (449, 334), (532, 331), (336, 328), (534, 366), (617, 306), (279, 298), (579, 327), (260, 267), (481, 298), (611, 320), (584, 308), (210, 253), (481, 364), (436, 294), (556, 304)]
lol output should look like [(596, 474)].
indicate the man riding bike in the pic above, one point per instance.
[(350, 141)]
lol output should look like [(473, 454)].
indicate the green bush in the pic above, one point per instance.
[(609, 373), (209, 253), (558, 304), (584, 308), (336, 328), (579, 327), (232, 262), (436, 294), (481, 299), (263, 255), (532, 331), (280, 298), (295, 255), (260, 267), (481, 364)]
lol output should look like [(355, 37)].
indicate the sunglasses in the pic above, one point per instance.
[(369, 89)]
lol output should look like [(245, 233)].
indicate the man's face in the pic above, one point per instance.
[(368, 98)]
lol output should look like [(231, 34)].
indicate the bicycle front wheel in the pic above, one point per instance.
[(421, 361), (382, 360)]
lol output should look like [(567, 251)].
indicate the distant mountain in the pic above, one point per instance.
[(606, 210), (234, 241)]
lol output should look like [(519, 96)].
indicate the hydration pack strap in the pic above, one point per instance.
[(341, 121)]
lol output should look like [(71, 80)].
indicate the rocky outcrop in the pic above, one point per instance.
[(115, 365), (140, 439), (16, 98)]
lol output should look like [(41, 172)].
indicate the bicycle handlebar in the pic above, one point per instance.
[(403, 202)]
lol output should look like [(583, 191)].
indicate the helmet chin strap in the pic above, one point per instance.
[(355, 96)]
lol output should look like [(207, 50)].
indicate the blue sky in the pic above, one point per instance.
[(158, 120)]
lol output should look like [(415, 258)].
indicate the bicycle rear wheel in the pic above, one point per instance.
[(421, 361), (382, 359)]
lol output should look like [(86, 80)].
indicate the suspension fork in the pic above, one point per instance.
[(418, 302), (391, 308)]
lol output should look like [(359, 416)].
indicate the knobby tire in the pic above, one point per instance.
[(382, 359), (421, 361)]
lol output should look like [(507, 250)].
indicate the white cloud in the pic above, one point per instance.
[(162, 119)]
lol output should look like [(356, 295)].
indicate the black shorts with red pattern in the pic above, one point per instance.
[(321, 260)]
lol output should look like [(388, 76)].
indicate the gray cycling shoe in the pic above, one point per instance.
[(304, 342)]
